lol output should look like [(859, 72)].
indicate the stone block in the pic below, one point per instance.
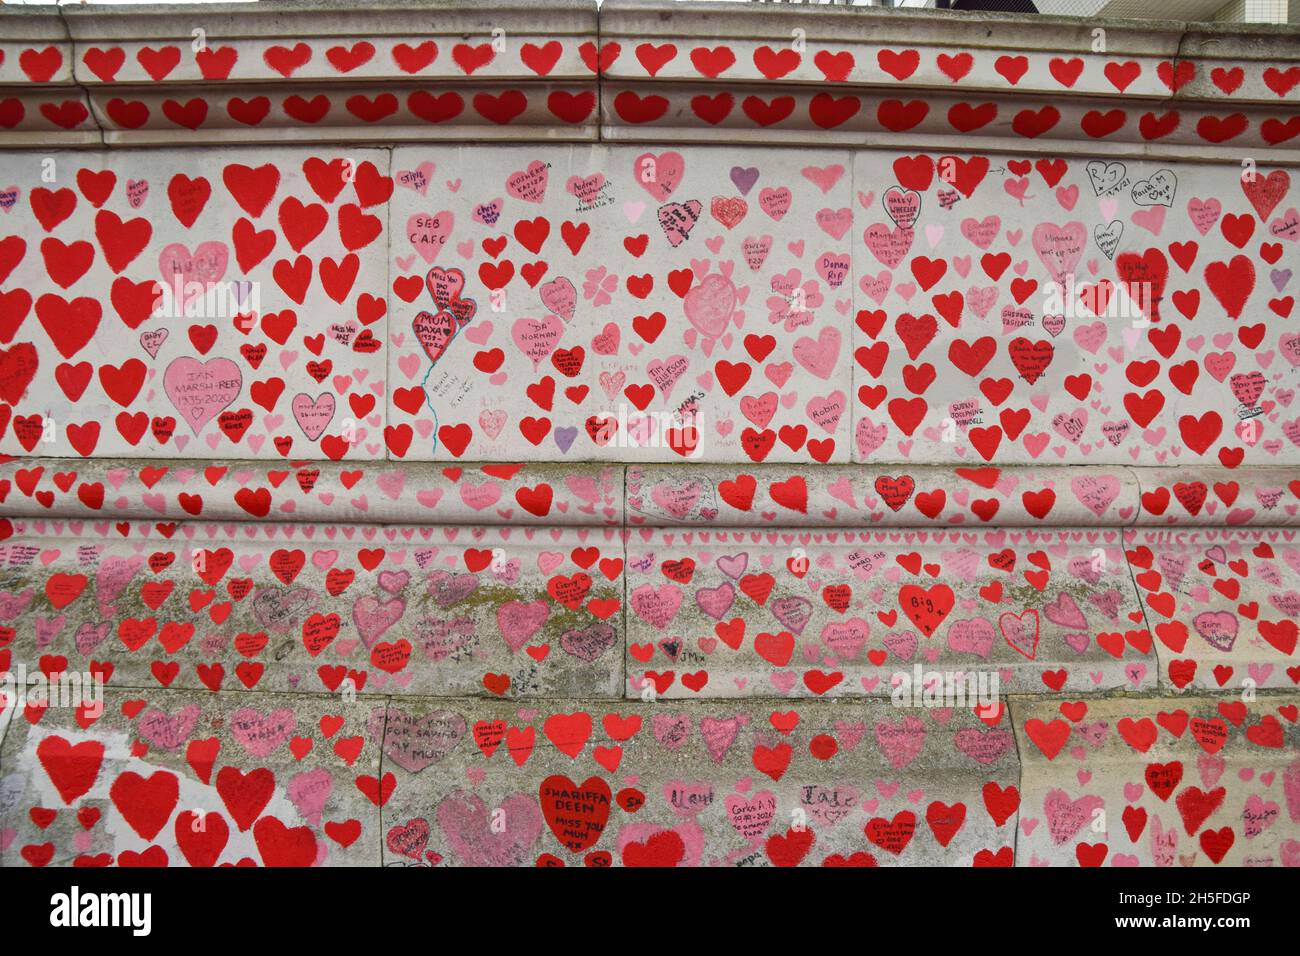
[(518, 612), (187, 302), (567, 303), (1155, 782), (515, 494), (1259, 496), (165, 778), (1007, 312), (700, 784), (39, 104), (804, 613), (1224, 605)]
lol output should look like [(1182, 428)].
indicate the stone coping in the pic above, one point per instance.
[(565, 70), (36, 492)]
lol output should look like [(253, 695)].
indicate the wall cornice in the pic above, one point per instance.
[(648, 71)]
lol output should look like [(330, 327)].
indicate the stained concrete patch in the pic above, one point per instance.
[(502, 610), (167, 778), (1148, 782), (1224, 605), (745, 784), (820, 613)]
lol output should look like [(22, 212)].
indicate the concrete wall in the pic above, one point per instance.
[(613, 426)]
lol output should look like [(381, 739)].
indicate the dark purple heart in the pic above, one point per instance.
[(744, 177)]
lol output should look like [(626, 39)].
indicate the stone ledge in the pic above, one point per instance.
[(34, 491), (310, 19), (789, 116), (311, 73), (40, 103), (1197, 495), (751, 79), (41, 490), (871, 496), (979, 31), (877, 495)]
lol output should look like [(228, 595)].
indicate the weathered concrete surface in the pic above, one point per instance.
[(662, 70), (809, 613), (699, 784), (501, 610), (1148, 782), (165, 778), (1223, 603)]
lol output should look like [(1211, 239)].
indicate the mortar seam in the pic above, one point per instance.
[(379, 807), (72, 73), (1137, 591)]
